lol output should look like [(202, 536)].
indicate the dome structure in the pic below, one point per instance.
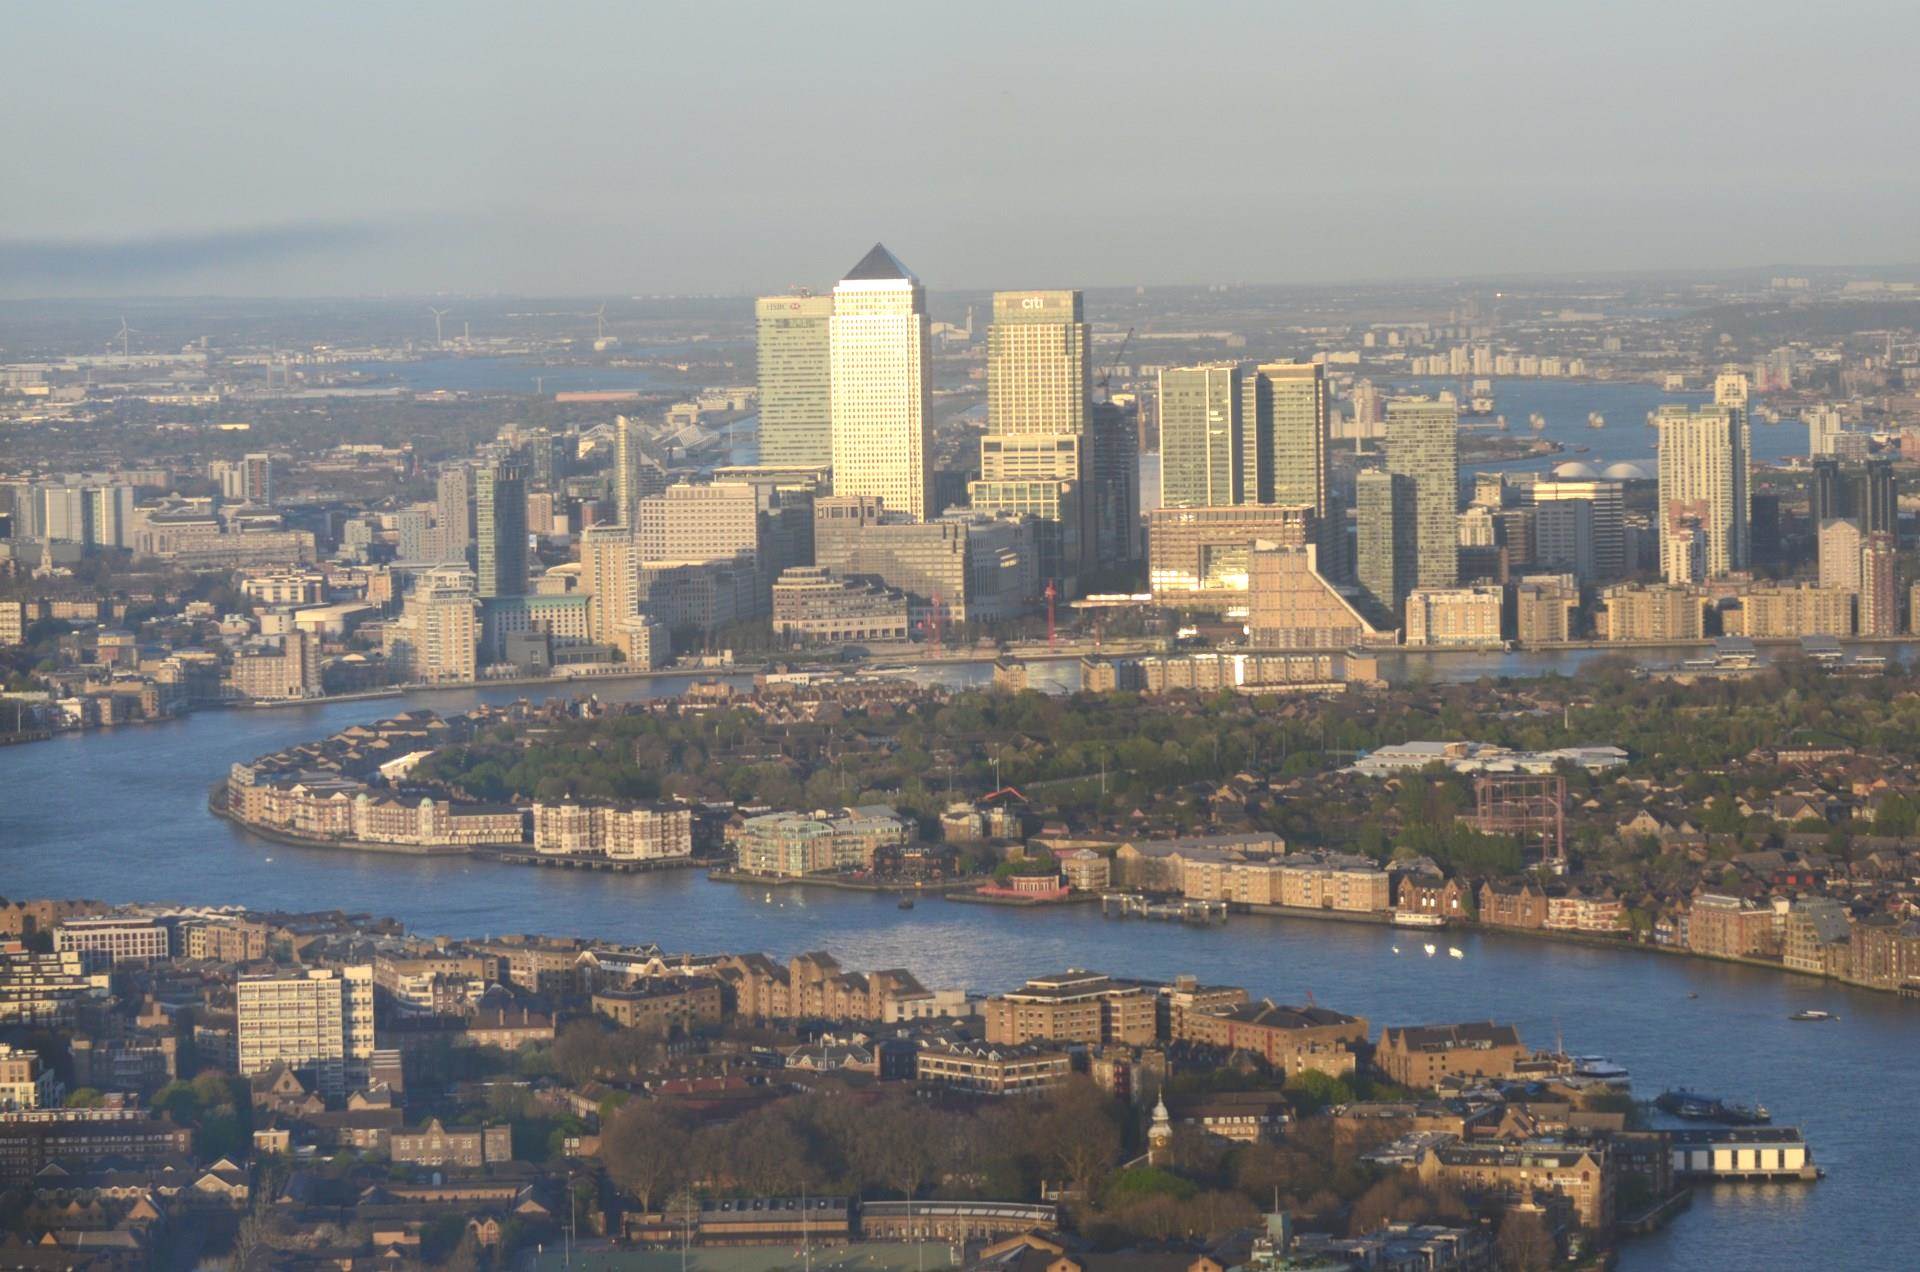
[(1626, 470), (1576, 470)]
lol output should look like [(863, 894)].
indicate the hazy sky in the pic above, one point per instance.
[(586, 148)]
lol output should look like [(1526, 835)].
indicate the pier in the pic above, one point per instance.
[(1729, 1154), (1127, 905)]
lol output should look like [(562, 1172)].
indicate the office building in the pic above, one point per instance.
[(500, 529), (811, 604), (1201, 557), (1201, 461), (708, 521), (796, 389), (965, 566), (1113, 487), (318, 1019), (1423, 445), (1292, 604), (1034, 458), (1704, 482), (113, 940), (1296, 460), (1384, 548), (1606, 522), (1038, 364), (882, 438), (1879, 504), (1563, 538), (635, 475)]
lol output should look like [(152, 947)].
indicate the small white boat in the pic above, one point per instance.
[(769, 900), (269, 860), (1453, 951), (1431, 950), (1396, 949), (1599, 1067)]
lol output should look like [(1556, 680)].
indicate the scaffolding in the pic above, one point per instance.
[(1529, 807)]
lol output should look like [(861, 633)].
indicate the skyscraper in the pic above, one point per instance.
[(1879, 507), (1298, 454), (1034, 458), (1114, 487), (453, 509), (1704, 480), (1386, 508), (609, 573), (882, 440), (1423, 445), (1609, 523), (1039, 360), (1879, 597), (796, 387), (1201, 438), (500, 516)]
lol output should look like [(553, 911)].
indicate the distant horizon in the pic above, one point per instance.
[(1890, 271)]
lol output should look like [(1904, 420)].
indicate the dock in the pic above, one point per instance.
[(1128, 905)]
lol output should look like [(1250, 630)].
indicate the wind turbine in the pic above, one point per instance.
[(438, 314), (122, 335), (600, 323)]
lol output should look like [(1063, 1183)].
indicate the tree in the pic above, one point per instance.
[(645, 1151), (1082, 1134), (1524, 1244)]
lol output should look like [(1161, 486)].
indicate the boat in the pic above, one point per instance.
[(1694, 1107), (1453, 951), (1811, 1013), (906, 903), (1396, 949), (1415, 918), (1599, 1067), (1536, 421), (1430, 950), (1596, 420)]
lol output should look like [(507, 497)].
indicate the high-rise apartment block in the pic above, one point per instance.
[(436, 638), (882, 438), (1423, 445), (608, 575), (320, 1020), (796, 368), (1704, 484)]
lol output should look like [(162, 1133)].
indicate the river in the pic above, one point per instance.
[(120, 815)]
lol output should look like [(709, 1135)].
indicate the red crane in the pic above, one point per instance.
[(1050, 593)]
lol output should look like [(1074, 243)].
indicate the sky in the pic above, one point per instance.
[(658, 148)]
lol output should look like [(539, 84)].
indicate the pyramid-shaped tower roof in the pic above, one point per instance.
[(880, 265)]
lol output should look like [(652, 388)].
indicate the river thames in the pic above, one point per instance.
[(120, 815)]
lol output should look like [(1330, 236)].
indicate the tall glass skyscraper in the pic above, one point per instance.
[(882, 439), (796, 368), (1201, 437), (1423, 445), (500, 517)]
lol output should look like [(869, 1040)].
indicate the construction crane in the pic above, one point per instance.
[(1106, 376)]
